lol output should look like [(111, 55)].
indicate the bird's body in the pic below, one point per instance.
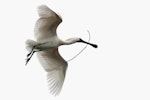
[(46, 47)]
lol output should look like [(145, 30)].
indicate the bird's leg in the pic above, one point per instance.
[(34, 48), (29, 55), (28, 59), (30, 52)]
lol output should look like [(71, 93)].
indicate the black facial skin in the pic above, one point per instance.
[(93, 45)]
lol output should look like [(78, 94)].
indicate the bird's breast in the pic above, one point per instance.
[(50, 44)]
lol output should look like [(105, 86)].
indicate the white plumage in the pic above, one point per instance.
[(46, 46)]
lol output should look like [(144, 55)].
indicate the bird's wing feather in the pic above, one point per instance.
[(47, 24), (55, 66)]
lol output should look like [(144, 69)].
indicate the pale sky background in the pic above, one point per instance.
[(118, 70)]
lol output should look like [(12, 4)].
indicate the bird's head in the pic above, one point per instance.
[(76, 40)]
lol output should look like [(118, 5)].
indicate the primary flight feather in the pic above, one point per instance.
[(46, 47)]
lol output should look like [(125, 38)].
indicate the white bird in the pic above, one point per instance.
[(46, 46)]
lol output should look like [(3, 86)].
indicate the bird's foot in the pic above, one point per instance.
[(27, 60)]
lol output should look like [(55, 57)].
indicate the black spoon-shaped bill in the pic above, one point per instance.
[(93, 45)]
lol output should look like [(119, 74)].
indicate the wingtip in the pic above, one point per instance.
[(42, 6), (44, 11)]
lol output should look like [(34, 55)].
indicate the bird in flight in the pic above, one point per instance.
[(46, 47)]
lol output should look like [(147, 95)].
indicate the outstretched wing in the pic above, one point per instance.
[(47, 24), (55, 66)]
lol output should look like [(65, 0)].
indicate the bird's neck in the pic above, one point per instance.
[(69, 41)]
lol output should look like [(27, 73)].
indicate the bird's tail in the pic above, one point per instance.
[(29, 44)]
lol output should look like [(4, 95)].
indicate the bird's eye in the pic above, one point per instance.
[(80, 40)]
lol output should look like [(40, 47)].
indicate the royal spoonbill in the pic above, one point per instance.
[(46, 47)]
